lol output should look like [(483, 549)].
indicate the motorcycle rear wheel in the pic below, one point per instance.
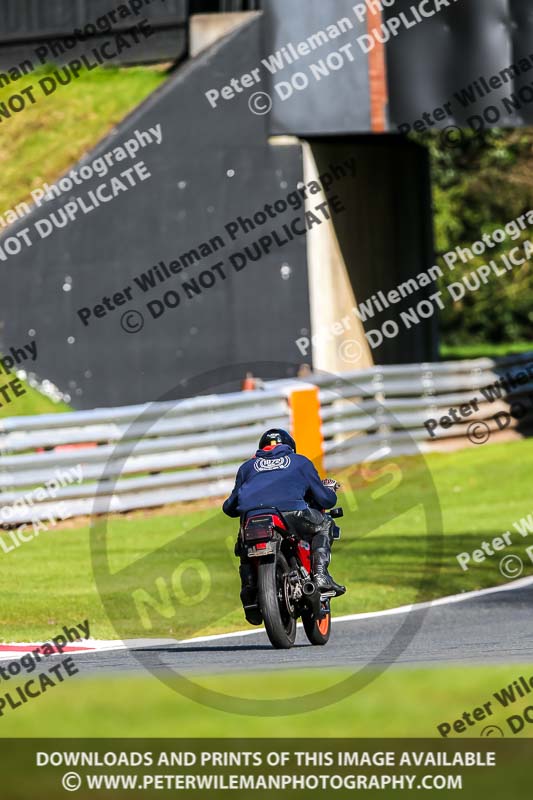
[(280, 625), (317, 631)]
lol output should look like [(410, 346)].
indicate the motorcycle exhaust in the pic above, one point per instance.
[(312, 596)]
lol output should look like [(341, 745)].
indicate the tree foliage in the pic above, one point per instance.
[(480, 183)]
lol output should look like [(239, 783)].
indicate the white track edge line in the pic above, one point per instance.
[(101, 646), (454, 598)]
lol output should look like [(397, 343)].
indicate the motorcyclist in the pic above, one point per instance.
[(277, 477)]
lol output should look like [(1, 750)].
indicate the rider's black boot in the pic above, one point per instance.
[(249, 594), (323, 579)]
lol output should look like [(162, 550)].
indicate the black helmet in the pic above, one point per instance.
[(276, 436)]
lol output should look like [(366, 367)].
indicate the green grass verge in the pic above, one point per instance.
[(31, 402), (383, 560), (42, 141), (398, 703), (456, 352)]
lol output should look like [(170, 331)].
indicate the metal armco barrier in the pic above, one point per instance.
[(190, 449)]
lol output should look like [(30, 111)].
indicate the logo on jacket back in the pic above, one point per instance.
[(269, 464)]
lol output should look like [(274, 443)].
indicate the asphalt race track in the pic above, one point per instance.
[(479, 627)]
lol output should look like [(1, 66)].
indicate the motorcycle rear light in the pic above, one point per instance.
[(256, 534), (258, 528), (261, 546)]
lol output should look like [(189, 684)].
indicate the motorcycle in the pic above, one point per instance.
[(286, 590)]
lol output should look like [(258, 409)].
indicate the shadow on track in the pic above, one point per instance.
[(213, 649)]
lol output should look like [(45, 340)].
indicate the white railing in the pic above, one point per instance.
[(150, 455), (387, 411)]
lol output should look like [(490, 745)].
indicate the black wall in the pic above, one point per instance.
[(338, 103), (386, 233), (428, 63), (26, 24), (224, 6)]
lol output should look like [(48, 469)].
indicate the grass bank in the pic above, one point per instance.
[(404, 703)]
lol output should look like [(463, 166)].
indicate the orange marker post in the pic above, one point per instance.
[(306, 425)]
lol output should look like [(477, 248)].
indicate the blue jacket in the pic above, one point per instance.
[(277, 478)]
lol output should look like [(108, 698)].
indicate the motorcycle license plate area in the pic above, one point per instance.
[(261, 549)]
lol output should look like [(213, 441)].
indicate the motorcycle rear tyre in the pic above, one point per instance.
[(280, 626), (317, 630)]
